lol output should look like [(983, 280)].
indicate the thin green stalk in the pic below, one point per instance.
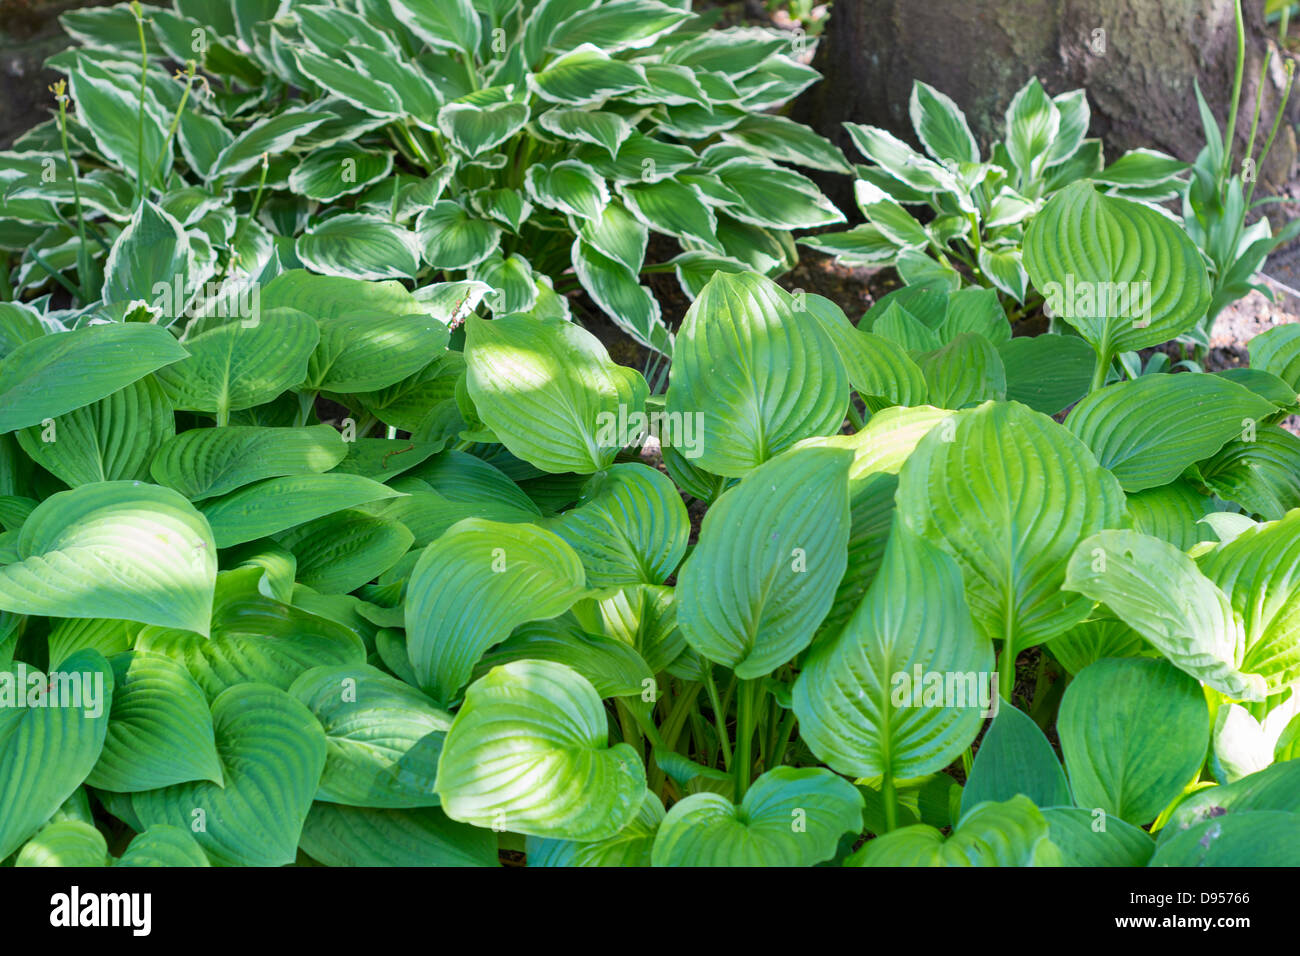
[(144, 80), (719, 716), (748, 698), (83, 254), (782, 739), (855, 416), (1236, 96), (176, 121), (252, 213), (1277, 123), (1101, 370), (646, 724), (1259, 105), (54, 274), (967, 761)]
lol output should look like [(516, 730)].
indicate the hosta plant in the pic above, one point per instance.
[(968, 213), (523, 148), (294, 642)]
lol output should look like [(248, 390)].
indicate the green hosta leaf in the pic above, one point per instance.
[(242, 363), (631, 846), (160, 732), (865, 698), (1005, 268), (1118, 271), (521, 573), (360, 247), (46, 752), (620, 24), (339, 553), (383, 737), (278, 504), (674, 208), (585, 75), (254, 638), (150, 255), (1173, 513), (118, 549), (629, 527), (272, 753), (1159, 592), (475, 129), (760, 378), (642, 617), (1278, 351), (1014, 833), (443, 24), (1134, 732), (614, 287), (1259, 570), (339, 170), (351, 836), (271, 136), (65, 843), (55, 374), (1263, 475), (901, 161), (1008, 493), (513, 288), (788, 817), (941, 125), (328, 296), (964, 372), (1095, 639), (618, 235), (366, 351), (1047, 372), (570, 187), (771, 553), (109, 637), (600, 128), (1015, 758), (1147, 431), (784, 140), (163, 845), (109, 440), (550, 392), (205, 462), (1264, 838), (528, 752), (451, 239), (611, 664), (1087, 839)]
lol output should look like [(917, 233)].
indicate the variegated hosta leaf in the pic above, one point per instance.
[(47, 751), (528, 752), (116, 549), (1159, 592), (631, 846), (584, 75), (788, 817), (550, 392), (772, 551), (339, 170), (55, 374), (1014, 833), (756, 377), (903, 687), (254, 638), (1009, 493), (518, 572), (272, 753), (1148, 430), (160, 730), (473, 129), (1134, 733), (383, 737), (629, 527), (1118, 271), (358, 246), (205, 462)]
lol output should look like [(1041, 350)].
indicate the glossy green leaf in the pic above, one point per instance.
[(1014, 833), (277, 504), (1015, 758), (352, 836), (205, 462), (358, 246), (340, 552)]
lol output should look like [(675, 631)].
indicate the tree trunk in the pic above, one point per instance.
[(1136, 58)]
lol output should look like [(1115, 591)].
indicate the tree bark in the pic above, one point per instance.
[(1136, 58)]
